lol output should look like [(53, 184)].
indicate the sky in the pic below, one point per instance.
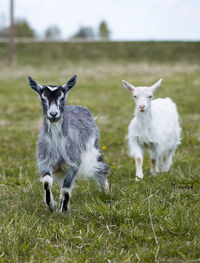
[(126, 19)]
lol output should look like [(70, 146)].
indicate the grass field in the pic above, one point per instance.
[(117, 227)]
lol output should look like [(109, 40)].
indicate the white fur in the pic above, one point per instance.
[(64, 191), (89, 164), (53, 108), (58, 141), (106, 186), (47, 179), (155, 128), (52, 88)]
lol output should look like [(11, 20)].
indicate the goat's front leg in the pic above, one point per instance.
[(154, 166), (137, 152), (47, 181), (156, 160), (139, 171), (67, 189)]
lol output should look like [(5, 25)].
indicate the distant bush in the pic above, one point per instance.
[(104, 32), (85, 33), (52, 33), (21, 29)]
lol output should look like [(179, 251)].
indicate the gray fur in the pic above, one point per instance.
[(76, 128), (63, 140)]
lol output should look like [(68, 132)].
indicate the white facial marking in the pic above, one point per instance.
[(52, 88), (60, 98), (44, 97), (53, 109)]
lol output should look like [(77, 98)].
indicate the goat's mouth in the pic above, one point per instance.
[(54, 119)]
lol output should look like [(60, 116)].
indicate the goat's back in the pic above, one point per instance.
[(79, 121), (165, 121)]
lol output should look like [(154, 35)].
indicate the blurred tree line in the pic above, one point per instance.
[(103, 32), (22, 29)]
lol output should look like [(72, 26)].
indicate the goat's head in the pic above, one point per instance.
[(53, 98), (142, 95)]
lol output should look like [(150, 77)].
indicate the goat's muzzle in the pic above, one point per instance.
[(54, 119), (54, 116)]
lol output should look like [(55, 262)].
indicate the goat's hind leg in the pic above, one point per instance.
[(47, 181), (168, 161), (102, 171), (66, 190), (155, 166), (156, 161)]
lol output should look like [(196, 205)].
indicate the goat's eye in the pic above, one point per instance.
[(150, 97), (135, 97), (43, 100)]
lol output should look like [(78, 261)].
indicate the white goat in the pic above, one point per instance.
[(155, 128)]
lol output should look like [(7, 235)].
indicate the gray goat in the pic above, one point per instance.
[(68, 143)]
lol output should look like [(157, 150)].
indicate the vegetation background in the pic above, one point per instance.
[(155, 220)]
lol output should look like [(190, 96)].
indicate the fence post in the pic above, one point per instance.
[(11, 34)]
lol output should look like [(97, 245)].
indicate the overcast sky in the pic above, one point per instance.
[(126, 19)]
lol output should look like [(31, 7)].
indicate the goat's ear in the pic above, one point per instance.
[(156, 85), (34, 85), (70, 84), (128, 85)]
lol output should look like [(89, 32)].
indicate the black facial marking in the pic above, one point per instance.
[(52, 96), (49, 97)]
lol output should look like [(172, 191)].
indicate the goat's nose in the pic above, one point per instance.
[(54, 113), (142, 107)]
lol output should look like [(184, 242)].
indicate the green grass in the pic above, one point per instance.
[(99, 227), (37, 53)]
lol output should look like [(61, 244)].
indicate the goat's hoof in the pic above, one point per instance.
[(51, 209), (64, 206), (62, 211), (154, 173), (137, 178), (51, 206), (104, 188), (165, 169)]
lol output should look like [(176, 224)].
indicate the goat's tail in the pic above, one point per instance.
[(93, 165)]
